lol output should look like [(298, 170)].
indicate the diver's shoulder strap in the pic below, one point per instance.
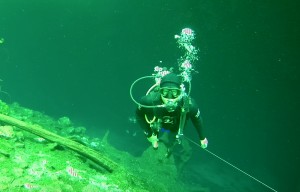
[(186, 104), (184, 111)]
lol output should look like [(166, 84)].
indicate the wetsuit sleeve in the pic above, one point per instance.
[(194, 114)]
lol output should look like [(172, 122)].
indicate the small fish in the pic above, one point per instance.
[(71, 171), (28, 186), (40, 139)]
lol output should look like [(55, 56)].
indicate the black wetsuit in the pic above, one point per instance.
[(170, 120)]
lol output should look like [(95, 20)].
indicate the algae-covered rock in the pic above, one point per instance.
[(5, 182), (80, 130), (29, 163), (69, 130), (64, 122), (3, 187), (90, 188), (7, 131), (4, 108), (6, 148), (19, 136), (18, 172)]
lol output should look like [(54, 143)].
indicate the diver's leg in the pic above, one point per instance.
[(182, 153)]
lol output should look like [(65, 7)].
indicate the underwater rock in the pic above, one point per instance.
[(27, 113), (4, 152), (54, 146), (4, 108), (64, 122), (70, 130), (73, 131), (18, 182), (20, 113), (82, 140), (18, 172), (3, 187), (90, 188), (67, 187), (94, 144), (20, 145), (80, 130), (7, 131), (5, 182), (41, 167), (19, 136), (6, 148)]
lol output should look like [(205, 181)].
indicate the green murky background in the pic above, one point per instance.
[(79, 58)]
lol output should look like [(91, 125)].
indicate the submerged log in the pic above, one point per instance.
[(85, 151)]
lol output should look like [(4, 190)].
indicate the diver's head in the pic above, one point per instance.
[(171, 91)]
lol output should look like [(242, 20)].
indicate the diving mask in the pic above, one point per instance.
[(170, 97), (170, 93)]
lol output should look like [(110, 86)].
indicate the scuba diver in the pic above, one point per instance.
[(166, 122), (167, 105), (168, 119)]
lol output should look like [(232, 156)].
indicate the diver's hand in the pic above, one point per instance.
[(204, 143), (153, 140)]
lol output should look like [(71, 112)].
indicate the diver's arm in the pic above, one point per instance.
[(141, 112), (196, 119), (140, 117)]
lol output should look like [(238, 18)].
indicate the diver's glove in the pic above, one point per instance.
[(153, 140), (204, 143)]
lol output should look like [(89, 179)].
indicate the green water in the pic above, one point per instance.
[(79, 58)]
